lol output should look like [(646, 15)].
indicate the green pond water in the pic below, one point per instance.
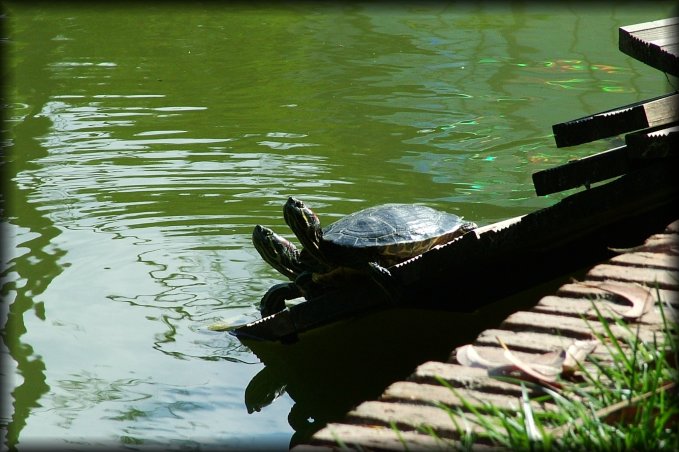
[(143, 143)]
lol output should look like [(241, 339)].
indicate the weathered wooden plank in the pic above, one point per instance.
[(647, 259), (650, 277), (582, 307), (522, 342), (337, 436), (651, 144), (661, 243), (495, 352), (551, 324), (653, 43), (410, 417), (567, 327), (654, 112), (666, 296), (640, 146), (582, 172), (406, 391), (458, 376), (525, 345)]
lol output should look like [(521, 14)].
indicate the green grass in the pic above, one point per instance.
[(629, 404)]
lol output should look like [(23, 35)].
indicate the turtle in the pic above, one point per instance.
[(365, 242)]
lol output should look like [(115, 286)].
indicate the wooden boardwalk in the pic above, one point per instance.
[(555, 322)]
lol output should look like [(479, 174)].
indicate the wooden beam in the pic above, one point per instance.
[(584, 171), (659, 111), (509, 256), (654, 43), (656, 143)]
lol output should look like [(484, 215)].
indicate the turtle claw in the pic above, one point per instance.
[(385, 281)]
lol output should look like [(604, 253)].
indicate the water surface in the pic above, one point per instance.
[(144, 143)]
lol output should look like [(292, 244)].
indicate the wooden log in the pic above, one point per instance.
[(639, 115), (654, 43)]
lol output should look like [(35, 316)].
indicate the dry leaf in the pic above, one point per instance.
[(576, 353), (544, 368), (640, 297), (546, 373), (467, 355)]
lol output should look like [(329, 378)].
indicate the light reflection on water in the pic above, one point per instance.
[(138, 172)]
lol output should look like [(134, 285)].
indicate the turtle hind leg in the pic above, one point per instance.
[(273, 300)]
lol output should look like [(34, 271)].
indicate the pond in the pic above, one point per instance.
[(144, 143)]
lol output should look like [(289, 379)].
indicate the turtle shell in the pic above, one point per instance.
[(395, 232)]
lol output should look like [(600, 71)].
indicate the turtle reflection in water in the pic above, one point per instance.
[(362, 243)]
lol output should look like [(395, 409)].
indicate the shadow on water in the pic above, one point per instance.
[(332, 369)]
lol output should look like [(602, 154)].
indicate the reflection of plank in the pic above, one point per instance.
[(654, 43), (640, 115)]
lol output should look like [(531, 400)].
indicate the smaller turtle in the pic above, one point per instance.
[(362, 243)]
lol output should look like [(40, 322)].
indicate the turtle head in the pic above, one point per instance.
[(305, 224), (277, 252)]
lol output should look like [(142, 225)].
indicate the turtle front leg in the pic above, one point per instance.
[(274, 299)]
